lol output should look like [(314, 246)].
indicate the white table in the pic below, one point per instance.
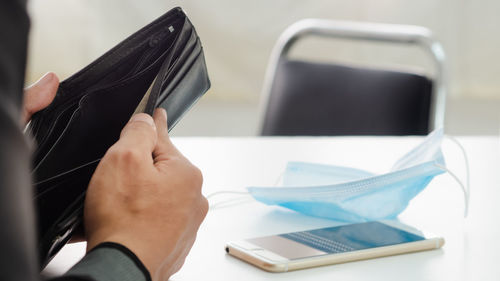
[(471, 252)]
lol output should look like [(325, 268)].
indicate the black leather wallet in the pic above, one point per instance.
[(161, 65)]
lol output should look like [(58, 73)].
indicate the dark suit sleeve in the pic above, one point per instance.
[(110, 262), (18, 256)]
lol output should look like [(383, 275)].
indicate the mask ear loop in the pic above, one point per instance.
[(233, 200), (465, 188), (227, 202), (225, 192)]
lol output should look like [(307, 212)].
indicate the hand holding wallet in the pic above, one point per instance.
[(161, 65)]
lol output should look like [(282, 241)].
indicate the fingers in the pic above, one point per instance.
[(139, 135), (164, 148), (39, 95)]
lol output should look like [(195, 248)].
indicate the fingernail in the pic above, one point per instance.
[(45, 78), (164, 112), (143, 118)]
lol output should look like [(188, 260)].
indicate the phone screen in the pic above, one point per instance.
[(338, 239)]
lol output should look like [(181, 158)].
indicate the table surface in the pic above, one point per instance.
[(472, 248)]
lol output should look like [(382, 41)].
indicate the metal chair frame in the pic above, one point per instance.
[(400, 34)]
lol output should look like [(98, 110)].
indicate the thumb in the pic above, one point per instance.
[(164, 148), (39, 95), (139, 135)]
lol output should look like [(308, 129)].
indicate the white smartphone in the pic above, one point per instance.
[(332, 245)]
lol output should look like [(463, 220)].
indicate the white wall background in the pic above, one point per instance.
[(238, 36)]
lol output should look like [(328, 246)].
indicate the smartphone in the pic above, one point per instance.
[(332, 245)]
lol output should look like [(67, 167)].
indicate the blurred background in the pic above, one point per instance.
[(238, 37)]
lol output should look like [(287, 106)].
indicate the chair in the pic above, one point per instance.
[(309, 98)]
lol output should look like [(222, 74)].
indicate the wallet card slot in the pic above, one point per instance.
[(182, 52), (180, 67), (189, 89), (167, 65), (182, 72)]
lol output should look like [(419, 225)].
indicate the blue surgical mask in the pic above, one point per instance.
[(354, 195)]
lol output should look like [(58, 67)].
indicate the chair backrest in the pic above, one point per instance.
[(308, 98), (324, 99)]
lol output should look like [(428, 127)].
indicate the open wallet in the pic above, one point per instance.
[(161, 65)]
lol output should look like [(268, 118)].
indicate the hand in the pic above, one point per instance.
[(146, 196), (39, 95)]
